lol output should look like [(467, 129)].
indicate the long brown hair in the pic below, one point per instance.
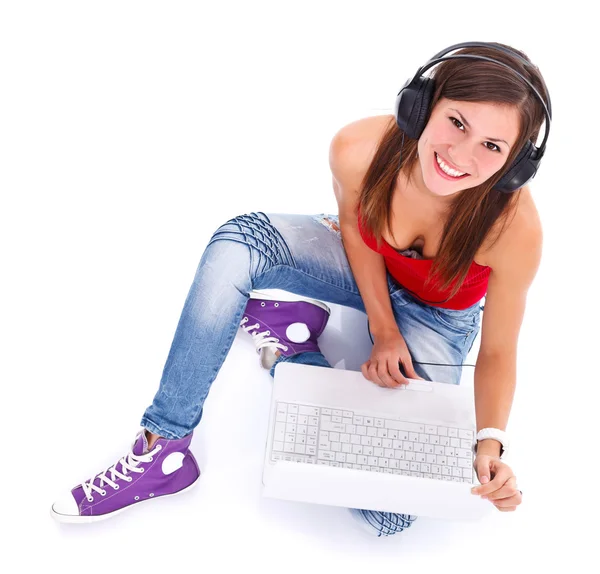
[(473, 211)]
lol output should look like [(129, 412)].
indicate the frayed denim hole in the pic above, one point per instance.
[(329, 221)]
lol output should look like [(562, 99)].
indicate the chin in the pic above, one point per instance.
[(441, 190)]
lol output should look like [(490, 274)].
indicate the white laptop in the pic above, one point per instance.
[(336, 438)]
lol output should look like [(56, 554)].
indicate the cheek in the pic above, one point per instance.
[(491, 162), (442, 133)]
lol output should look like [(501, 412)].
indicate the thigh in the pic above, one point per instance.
[(438, 339), (317, 265)]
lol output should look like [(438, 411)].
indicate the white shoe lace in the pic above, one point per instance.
[(128, 462), (261, 339)]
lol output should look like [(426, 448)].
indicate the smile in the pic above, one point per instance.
[(446, 171)]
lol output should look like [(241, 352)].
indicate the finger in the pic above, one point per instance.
[(373, 374), (502, 475), (508, 509), (384, 375), (364, 368), (509, 488), (513, 500), (396, 373), (503, 493), (410, 370)]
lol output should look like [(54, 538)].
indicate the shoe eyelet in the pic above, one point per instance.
[(136, 498), (285, 348), (116, 487), (159, 447), (141, 469), (267, 332), (276, 304), (90, 499), (262, 304), (129, 479), (151, 494), (150, 459), (103, 493)]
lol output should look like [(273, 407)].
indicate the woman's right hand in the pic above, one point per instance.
[(383, 367)]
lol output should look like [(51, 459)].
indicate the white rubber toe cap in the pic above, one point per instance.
[(66, 505)]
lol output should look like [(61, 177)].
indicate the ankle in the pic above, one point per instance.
[(151, 438)]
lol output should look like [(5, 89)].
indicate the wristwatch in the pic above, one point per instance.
[(497, 434)]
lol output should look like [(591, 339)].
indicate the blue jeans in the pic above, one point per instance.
[(301, 254)]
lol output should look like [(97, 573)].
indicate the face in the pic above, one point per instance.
[(465, 136)]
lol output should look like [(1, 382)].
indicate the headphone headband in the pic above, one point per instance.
[(500, 48)]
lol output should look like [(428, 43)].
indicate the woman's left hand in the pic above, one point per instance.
[(502, 489)]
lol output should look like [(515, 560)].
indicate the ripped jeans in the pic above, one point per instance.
[(301, 254)]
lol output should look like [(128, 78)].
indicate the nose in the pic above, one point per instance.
[(460, 157)]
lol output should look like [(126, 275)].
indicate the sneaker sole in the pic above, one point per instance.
[(286, 297), (64, 518)]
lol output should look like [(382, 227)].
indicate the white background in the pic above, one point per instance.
[(129, 131)]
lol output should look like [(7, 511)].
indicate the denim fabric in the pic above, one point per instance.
[(301, 254)]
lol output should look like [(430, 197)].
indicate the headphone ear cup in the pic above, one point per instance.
[(422, 107), (522, 169), (412, 106)]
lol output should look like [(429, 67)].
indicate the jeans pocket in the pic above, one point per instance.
[(460, 322), (398, 295)]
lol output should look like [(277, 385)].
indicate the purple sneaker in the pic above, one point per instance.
[(288, 326), (169, 468)]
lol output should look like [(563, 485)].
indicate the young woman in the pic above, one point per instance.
[(423, 233)]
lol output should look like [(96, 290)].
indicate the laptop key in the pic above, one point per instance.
[(326, 455), (333, 426)]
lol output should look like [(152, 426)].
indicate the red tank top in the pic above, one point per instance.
[(412, 273)]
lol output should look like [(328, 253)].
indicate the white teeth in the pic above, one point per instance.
[(447, 169)]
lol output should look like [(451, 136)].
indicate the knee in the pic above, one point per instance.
[(386, 523), (260, 238)]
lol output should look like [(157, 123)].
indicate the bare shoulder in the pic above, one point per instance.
[(522, 236), (351, 151)]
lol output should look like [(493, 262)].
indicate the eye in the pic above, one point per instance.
[(494, 148), (455, 120), (497, 148)]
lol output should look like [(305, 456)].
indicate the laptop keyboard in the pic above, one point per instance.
[(351, 439)]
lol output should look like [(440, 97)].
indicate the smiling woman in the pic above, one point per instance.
[(478, 119), (378, 181)]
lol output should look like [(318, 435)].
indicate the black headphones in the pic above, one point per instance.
[(413, 106)]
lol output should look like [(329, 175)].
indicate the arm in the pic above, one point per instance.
[(514, 265), (368, 268), (349, 159)]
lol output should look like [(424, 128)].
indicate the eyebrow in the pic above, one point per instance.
[(464, 121)]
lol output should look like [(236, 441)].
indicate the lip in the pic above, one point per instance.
[(445, 175)]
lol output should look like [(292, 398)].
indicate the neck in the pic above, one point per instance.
[(418, 192)]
